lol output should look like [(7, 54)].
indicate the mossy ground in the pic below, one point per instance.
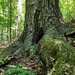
[(59, 57)]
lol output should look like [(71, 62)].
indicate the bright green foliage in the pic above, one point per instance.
[(67, 8), (18, 71), (1, 61)]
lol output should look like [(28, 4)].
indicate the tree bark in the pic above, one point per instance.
[(43, 18)]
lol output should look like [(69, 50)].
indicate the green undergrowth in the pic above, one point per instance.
[(18, 71), (2, 57)]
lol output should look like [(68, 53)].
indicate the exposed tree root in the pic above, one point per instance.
[(7, 60)]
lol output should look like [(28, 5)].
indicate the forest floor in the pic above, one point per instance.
[(22, 62)]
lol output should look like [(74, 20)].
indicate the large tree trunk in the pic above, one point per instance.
[(44, 27), (43, 17)]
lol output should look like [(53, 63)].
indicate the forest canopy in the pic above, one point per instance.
[(11, 19), (67, 8)]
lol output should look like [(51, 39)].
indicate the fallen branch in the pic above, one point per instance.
[(7, 60)]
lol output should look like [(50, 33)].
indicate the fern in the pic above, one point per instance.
[(1, 61), (18, 71)]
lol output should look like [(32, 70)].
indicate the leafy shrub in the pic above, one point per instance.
[(1, 61), (18, 71)]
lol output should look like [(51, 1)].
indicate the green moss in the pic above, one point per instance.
[(58, 55)]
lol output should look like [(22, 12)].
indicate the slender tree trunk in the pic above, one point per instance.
[(10, 18)]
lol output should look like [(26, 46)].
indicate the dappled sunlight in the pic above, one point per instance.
[(12, 15)]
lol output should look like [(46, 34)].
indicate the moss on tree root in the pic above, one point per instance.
[(57, 56)]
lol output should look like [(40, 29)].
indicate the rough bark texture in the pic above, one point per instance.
[(58, 57), (43, 17)]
